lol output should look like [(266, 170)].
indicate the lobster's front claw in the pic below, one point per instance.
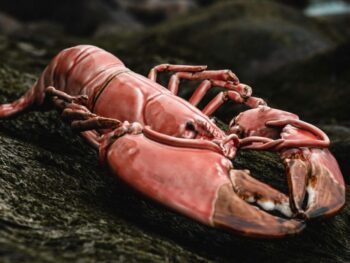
[(194, 178), (316, 184), (237, 208), (235, 214)]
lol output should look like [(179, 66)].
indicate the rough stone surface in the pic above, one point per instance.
[(58, 205), (239, 35), (317, 89), (340, 137)]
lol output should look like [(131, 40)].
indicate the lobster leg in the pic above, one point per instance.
[(82, 121), (206, 85), (237, 92), (224, 96), (222, 78), (79, 117), (152, 75), (81, 99), (219, 78)]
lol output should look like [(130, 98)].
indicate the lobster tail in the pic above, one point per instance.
[(26, 101)]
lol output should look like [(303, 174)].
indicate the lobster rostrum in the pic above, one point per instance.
[(166, 148)]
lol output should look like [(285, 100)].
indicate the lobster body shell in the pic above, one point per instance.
[(117, 92)]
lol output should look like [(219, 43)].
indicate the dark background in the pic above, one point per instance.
[(56, 205)]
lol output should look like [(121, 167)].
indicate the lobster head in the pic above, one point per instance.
[(190, 123), (205, 129)]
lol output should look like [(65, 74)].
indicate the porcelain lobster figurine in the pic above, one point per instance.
[(166, 148)]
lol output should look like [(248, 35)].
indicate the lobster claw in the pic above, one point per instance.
[(317, 187), (312, 169), (316, 184), (233, 211), (235, 214), (194, 178)]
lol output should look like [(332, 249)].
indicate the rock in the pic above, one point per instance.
[(58, 205), (327, 8), (151, 11), (121, 23), (340, 147), (317, 89), (8, 24), (295, 3), (32, 47), (240, 35), (81, 17), (339, 22), (94, 17)]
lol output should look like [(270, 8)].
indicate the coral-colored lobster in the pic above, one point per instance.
[(174, 153)]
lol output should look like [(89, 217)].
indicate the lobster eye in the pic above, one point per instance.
[(190, 126), (237, 129), (240, 132), (190, 131), (232, 122)]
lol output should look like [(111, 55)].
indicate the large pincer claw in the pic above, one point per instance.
[(316, 184), (194, 178), (317, 187), (246, 206)]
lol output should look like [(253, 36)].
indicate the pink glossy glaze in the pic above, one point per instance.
[(318, 156), (151, 104), (309, 164), (190, 175), (116, 92), (176, 177)]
